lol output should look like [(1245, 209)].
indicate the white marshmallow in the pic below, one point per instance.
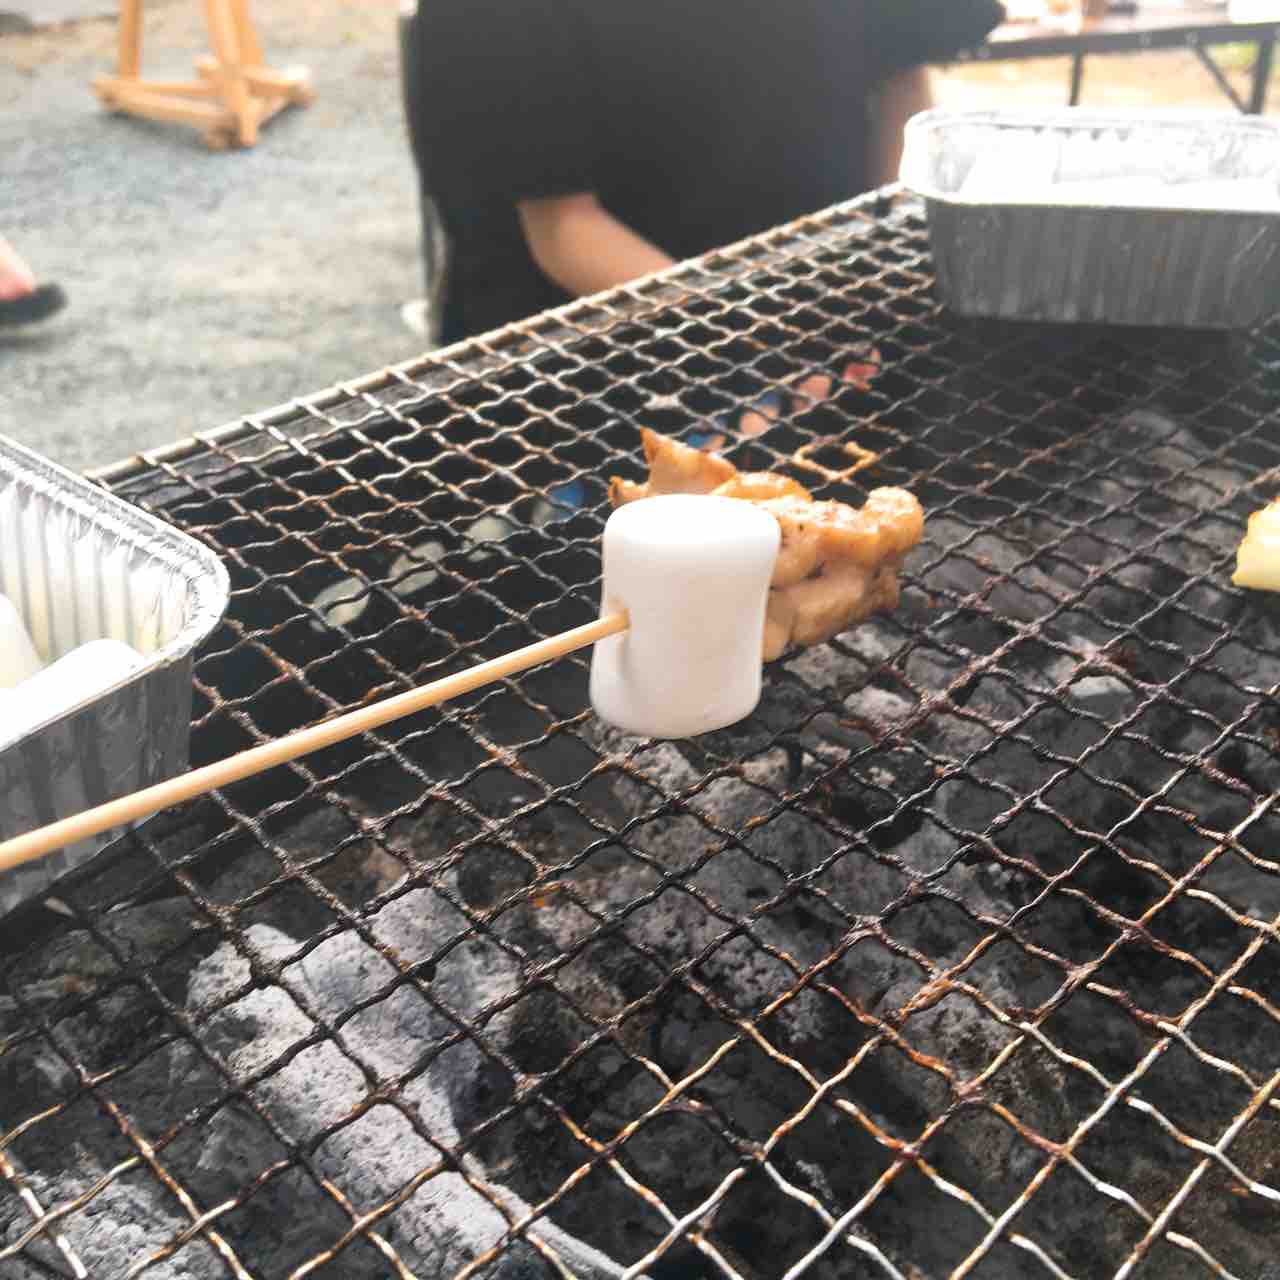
[(18, 658), (693, 573), (62, 686)]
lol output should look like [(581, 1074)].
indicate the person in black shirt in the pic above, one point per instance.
[(572, 145)]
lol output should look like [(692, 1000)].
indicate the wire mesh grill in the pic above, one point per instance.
[(958, 958)]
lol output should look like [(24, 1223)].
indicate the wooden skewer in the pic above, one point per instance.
[(245, 764)]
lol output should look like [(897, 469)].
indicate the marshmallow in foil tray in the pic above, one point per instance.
[(115, 601), (19, 660)]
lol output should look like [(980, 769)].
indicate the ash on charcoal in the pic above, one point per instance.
[(612, 981), (984, 1152), (441, 1227), (449, 1219), (126, 1225), (749, 1093), (335, 1028), (310, 1091)]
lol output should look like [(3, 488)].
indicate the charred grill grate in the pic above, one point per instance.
[(959, 958)]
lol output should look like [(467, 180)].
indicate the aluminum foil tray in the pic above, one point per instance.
[(1111, 218), (81, 565)]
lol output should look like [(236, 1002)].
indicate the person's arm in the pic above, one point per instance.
[(578, 244), (903, 37), (900, 97)]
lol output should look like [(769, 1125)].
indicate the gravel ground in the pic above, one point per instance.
[(203, 285), (209, 285)]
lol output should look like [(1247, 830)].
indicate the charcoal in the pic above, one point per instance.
[(438, 1230), (819, 865), (127, 1223), (446, 1222), (742, 980), (892, 942), (87, 987), (25, 1270)]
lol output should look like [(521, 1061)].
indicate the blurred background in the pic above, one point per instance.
[(206, 285)]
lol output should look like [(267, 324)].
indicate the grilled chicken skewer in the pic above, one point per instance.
[(685, 667), (837, 564)]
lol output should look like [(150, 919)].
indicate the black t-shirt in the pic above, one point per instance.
[(694, 122)]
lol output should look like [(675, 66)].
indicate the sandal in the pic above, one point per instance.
[(32, 307)]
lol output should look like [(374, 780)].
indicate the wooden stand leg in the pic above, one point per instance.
[(129, 55), (235, 92), (246, 36), (234, 87), (293, 86)]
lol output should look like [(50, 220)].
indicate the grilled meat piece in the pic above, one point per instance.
[(837, 564), (673, 468), (760, 486)]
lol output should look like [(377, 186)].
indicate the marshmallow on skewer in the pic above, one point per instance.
[(678, 651), (18, 658), (693, 574)]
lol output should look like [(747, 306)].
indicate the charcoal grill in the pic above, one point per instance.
[(959, 958)]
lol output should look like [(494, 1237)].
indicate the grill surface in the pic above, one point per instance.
[(959, 958)]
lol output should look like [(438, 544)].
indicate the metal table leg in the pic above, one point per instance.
[(1262, 74), (1077, 78), (1210, 64)]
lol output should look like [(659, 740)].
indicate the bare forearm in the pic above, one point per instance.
[(584, 248), (898, 99)]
